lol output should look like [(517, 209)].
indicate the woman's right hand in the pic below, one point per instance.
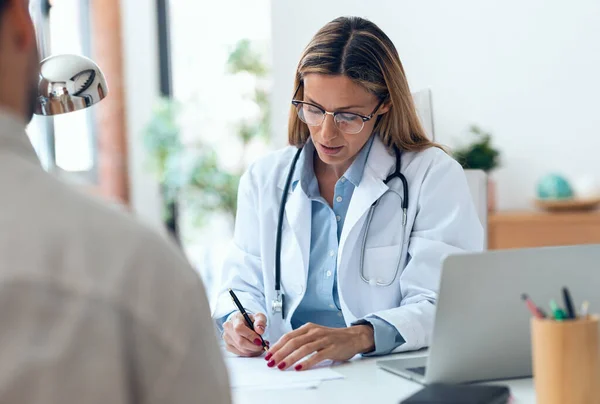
[(240, 339)]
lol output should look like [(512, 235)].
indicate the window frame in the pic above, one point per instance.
[(166, 91)]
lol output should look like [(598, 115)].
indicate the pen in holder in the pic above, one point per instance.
[(566, 361)]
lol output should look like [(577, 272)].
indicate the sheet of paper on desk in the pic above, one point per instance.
[(253, 373)]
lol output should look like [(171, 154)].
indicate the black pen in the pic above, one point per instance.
[(568, 303), (248, 321)]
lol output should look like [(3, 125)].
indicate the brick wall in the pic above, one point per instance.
[(111, 118)]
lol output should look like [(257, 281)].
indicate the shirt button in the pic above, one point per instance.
[(299, 289), (338, 218), (328, 273), (331, 253), (331, 306), (343, 179), (339, 199), (340, 314)]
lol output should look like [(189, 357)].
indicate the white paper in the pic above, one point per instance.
[(290, 386), (254, 373)]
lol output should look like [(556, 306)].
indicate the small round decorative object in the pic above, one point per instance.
[(555, 193), (553, 187)]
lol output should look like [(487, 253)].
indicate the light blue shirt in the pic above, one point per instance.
[(320, 304)]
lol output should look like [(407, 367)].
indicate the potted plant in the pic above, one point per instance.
[(162, 142), (210, 186), (480, 154), (192, 173)]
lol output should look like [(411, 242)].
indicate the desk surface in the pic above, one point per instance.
[(365, 383)]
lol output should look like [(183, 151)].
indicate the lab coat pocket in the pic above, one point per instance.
[(381, 264)]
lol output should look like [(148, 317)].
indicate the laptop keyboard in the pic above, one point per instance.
[(420, 370)]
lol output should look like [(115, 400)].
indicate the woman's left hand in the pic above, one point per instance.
[(336, 344)]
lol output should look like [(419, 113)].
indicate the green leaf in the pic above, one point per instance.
[(244, 59), (193, 174), (479, 154), (161, 139)]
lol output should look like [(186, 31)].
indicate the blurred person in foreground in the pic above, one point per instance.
[(93, 307)]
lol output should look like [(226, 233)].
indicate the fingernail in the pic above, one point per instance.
[(257, 342), (298, 367), (271, 363), (281, 365), (269, 355), (262, 327)]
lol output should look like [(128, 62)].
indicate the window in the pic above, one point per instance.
[(220, 104), (66, 144)]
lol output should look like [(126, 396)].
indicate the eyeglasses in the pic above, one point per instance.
[(347, 122)]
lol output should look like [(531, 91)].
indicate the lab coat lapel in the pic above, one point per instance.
[(298, 216), (379, 163), (298, 213)]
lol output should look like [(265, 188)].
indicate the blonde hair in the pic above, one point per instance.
[(357, 48)]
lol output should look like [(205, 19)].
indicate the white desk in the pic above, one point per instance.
[(364, 383)]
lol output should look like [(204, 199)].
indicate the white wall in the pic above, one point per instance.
[(140, 51), (525, 70)]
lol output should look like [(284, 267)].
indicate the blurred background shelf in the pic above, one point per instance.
[(521, 229)]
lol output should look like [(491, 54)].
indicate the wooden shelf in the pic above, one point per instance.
[(513, 229)]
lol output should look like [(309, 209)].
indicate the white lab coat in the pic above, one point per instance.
[(94, 307), (442, 220)]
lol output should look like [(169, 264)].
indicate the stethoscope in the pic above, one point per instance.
[(277, 305)]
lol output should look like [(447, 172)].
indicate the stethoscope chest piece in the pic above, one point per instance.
[(277, 304)]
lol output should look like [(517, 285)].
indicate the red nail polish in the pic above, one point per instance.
[(271, 363), (269, 355), (298, 367), (257, 342), (281, 365)]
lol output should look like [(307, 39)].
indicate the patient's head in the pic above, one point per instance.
[(19, 60)]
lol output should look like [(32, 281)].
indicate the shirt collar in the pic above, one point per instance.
[(13, 136), (354, 173), (305, 173), (11, 123)]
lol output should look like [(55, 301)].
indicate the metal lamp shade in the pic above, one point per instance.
[(69, 83)]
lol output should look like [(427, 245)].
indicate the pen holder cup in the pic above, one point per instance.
[(566, 360)]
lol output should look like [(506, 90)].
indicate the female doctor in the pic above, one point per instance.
[(371, 209)]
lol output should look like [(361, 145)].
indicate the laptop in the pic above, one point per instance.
[(482, 326)]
